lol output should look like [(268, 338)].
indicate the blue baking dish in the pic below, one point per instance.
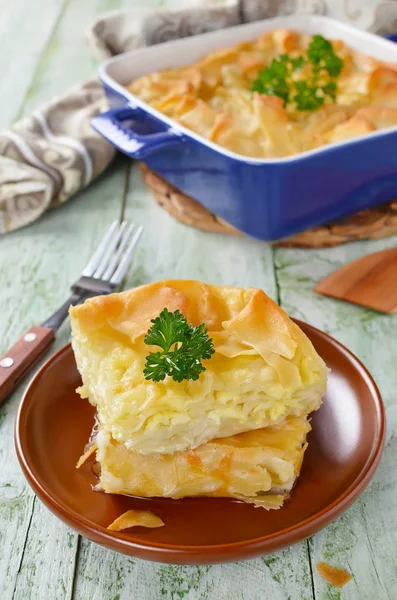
[(269, 199)]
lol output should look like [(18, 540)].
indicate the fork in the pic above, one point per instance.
[(102, 275)]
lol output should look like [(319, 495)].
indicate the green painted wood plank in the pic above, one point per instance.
[(362, 540), (37, 266), (47, 568), (67, 59), (24, 33), (105, 575), (171, 250)]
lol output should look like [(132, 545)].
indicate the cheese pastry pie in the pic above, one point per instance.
[(259, 467), (213, 98), (264, 370)]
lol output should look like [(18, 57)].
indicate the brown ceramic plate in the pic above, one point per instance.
[(345, 446)]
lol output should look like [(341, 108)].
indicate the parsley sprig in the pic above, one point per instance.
[(183, 348), (309, 94), (275, 80)]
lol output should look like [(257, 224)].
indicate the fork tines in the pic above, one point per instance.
[(113, 255)]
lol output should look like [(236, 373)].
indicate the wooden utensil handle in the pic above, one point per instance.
[(21, 357)]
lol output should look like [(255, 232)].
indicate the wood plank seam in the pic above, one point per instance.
[(309, 558), (128, 168), (75, 568), (276, 281), (371, 555), (24, 545)]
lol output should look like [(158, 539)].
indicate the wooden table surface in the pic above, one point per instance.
[(40, 557)]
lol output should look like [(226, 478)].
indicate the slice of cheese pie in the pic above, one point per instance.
[(264, 368), (259, 467)]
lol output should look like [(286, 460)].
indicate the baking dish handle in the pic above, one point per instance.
[(110, 125)]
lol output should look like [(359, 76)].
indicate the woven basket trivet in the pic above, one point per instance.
[(373, 223)]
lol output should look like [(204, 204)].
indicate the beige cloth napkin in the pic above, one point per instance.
[(49, 156)]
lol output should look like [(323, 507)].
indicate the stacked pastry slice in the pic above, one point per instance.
[(237, 431)]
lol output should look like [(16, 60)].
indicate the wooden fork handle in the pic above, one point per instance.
[(22, 356)]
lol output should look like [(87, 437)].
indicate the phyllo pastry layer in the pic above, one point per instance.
[(258, 467), (264, 367)]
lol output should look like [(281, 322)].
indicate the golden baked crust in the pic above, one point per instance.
[(213, 98), (259, 467), (264, 367)]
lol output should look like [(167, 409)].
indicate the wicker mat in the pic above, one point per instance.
[(373, 223)]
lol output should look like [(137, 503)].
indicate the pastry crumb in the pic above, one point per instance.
[(136, 518), (84, 457), (337, 577)]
